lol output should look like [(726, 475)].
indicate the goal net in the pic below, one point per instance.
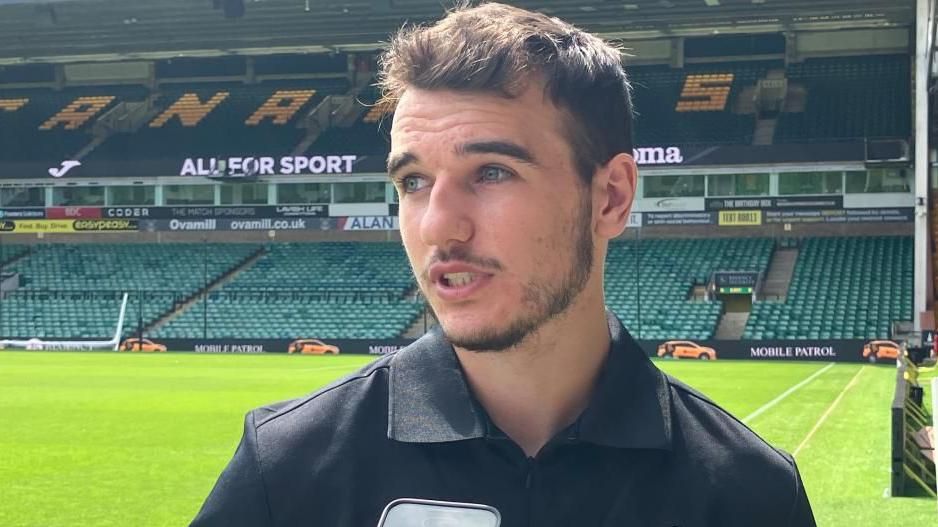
[(80, 345)]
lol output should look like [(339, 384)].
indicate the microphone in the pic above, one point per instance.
[(413, 512)]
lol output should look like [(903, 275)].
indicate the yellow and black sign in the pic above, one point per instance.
[(105, 225), (67, 226), (740, 218), (44, 226)]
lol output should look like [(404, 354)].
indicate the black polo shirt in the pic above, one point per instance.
[(647, 452)]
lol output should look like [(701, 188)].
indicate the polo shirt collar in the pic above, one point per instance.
[(430, 400)]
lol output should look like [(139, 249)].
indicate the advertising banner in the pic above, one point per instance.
[(105, 225), (67, 226), (843, 350), (900, 214), (271, 164), (652, 219), (234, 211), (848, 350), (671, 204), (794, 202), (369, 223), (735, 278), (751, 218), (740, 218), (27, 213), (59, 213), (37, 226), (241, 224), (301, 346), (228, 168)]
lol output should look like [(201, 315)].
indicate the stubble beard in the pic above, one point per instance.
[(544, 300)]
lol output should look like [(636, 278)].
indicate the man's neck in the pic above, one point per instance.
[(536, 389)]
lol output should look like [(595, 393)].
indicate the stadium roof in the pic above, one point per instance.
[(88, 30)]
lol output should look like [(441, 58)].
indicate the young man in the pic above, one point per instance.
[(511, 153)]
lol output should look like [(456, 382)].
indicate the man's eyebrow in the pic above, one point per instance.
[(503, 148), (399, 161)]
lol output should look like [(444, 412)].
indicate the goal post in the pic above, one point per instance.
[(78, 345)]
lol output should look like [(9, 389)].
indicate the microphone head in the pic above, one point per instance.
[(413, 512)]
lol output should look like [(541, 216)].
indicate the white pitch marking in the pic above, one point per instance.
[(759, 411), (829, 410)]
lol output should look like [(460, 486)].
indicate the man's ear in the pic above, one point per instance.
[(614, 186)]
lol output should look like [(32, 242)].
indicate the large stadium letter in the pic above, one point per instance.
[(705, 93), (11, 105), (189, 109), (281, 106), (79, 112)]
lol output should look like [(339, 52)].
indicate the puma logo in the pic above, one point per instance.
[(66, 166)]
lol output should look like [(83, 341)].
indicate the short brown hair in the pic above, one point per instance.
[(498, 48)]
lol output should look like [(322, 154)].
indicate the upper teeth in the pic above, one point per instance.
[(458, 279)]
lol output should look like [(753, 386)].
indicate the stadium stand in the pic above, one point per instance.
[(368, 267), (848, 287), (73, 291), (10, 252), (693, 105), (53, 125), (666, 272), (362, 290), (369, 134), (305, 290), (676, 106), (265, 115), (845, 98), (293, 315), (848, 98)]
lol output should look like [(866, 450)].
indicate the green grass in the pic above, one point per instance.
[(100, 439)]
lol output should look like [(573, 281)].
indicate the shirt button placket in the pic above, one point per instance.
[(529, 489)]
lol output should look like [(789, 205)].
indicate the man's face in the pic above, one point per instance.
[(496, 222)]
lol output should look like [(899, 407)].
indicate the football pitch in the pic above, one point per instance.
[(107, 439)]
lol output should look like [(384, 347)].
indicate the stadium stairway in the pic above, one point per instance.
[(764, 133), (781, 269), (870, 290), (731, 326), (215, 284), (419, 326), (671, 272)]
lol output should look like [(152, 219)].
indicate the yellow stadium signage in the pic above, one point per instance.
[(67, 226), (36, 226), (740, 218)]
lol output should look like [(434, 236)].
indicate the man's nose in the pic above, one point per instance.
[(447, 219)]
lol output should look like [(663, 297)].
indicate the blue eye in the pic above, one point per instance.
[(493, 174), (412, 183)]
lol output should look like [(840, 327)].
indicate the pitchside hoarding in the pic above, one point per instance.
[(835, 350), (843, 350), (303, 346)]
